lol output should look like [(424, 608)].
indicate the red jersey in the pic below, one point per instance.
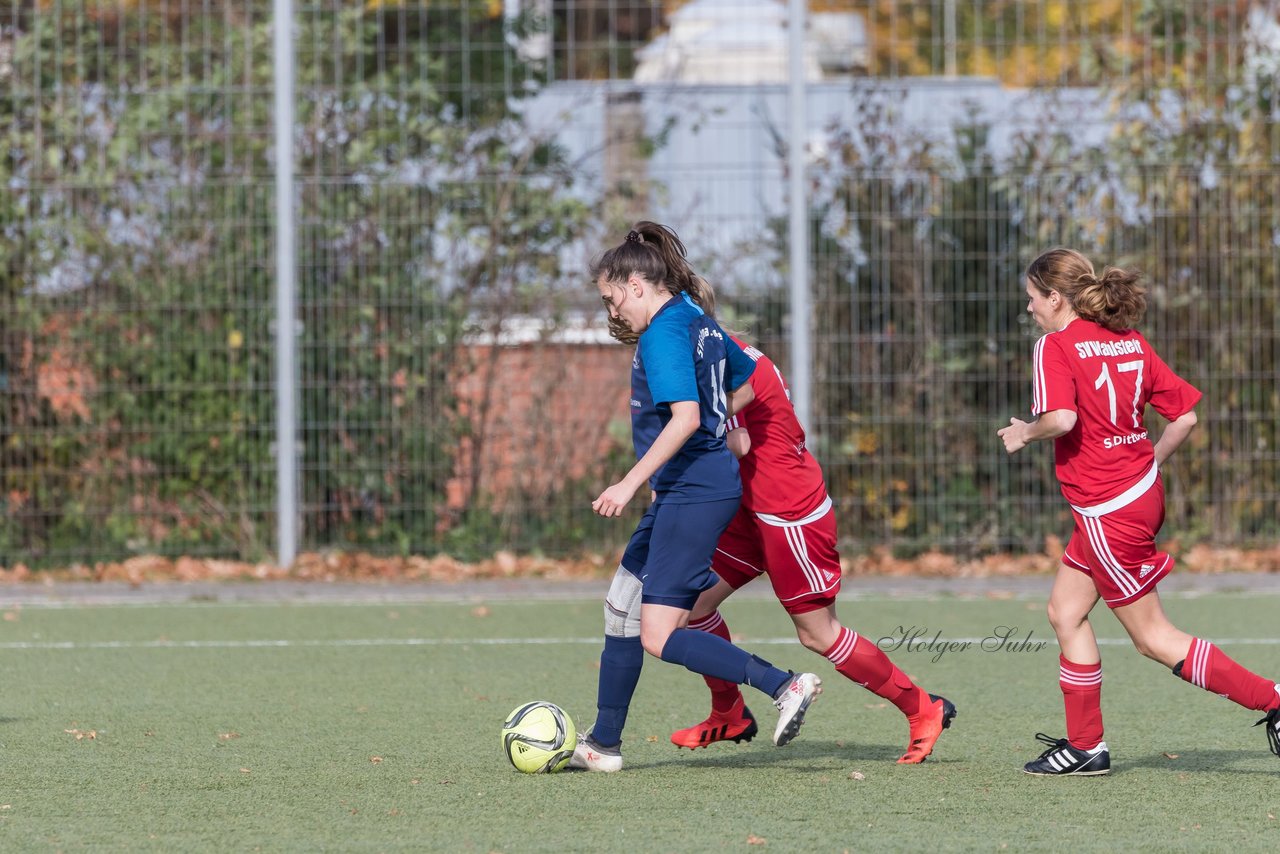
[(779, 475), (1106, 378)]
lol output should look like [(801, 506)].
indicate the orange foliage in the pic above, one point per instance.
[(61, 378)]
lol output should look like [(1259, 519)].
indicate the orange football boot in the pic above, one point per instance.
[(927, 725), (736, 725)]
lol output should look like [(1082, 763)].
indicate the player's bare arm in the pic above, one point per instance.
[(1174, 435), (740, 397), (739, 442), (683, 424), (1050, 425)]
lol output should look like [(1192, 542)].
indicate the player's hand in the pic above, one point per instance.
[(1013, 436), (613, 500)]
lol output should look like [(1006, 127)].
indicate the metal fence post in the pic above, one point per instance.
[(798, 201), (285, 290)]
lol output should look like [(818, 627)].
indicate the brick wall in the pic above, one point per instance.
[(543, 414)]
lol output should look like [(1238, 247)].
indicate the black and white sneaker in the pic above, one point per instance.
[(1063, 760), (1272, 720)]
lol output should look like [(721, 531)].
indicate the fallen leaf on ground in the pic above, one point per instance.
[(360, 566)]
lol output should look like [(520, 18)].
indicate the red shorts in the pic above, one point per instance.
[(1118, 549), (800, 556)]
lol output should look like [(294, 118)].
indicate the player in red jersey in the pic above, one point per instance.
[(786, 527), (1094, 375)]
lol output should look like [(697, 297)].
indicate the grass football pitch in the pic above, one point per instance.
[(356, 727)]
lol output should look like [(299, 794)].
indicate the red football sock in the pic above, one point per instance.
[(859, 659), (1082, 695), (724, 695), (1210, 668)]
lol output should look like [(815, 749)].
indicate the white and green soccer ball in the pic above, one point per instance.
[(539, 738)]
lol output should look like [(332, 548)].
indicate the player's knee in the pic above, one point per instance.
[(815, 638), (1148, 644), (653, 639), (1144, 645), (816, 624), (1065, 619), (622, 606), (812, 641)]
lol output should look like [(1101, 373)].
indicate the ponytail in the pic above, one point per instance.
[(656, 252), (680, 276), (1115, 300)]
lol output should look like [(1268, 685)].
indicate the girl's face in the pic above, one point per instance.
[(1048, 310), (626, 301)]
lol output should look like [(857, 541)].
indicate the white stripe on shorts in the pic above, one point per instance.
[(757, 570), (1098, 539), (800, 550)]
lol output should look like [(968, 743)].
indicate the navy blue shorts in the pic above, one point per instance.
[(671, 550)]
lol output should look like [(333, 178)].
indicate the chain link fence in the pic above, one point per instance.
[(457, 164)]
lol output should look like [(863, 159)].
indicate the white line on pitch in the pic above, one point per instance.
[(916, 645)]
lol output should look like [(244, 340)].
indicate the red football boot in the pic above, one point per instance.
[(736, 725), (927, 725)]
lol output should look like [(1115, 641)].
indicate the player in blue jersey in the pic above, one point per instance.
[(687, 378)]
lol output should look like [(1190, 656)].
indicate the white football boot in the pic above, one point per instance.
[(792, 703), (589, 755)]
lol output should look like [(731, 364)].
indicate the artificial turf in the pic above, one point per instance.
[(213, 727)]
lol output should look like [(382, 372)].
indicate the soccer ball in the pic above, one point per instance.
[(539, 738)]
